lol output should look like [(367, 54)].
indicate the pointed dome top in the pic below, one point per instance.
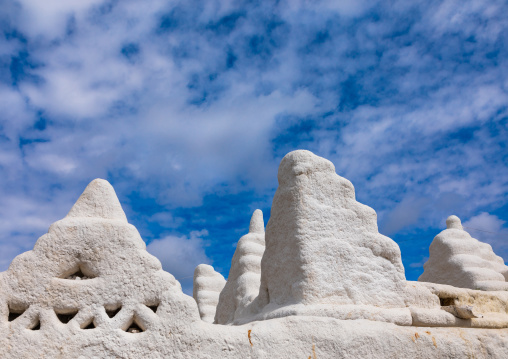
[(204, 270), (300, 162), (256, 222), (98, 200), (453, 222)]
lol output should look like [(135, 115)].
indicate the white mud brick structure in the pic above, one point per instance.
[(327, 285), (460, 260)]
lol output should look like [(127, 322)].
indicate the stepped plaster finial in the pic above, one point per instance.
[(207, 286), (457, 259)]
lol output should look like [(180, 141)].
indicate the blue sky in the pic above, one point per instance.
[(187, 108)]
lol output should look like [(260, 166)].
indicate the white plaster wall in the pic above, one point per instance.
[(96, 238)]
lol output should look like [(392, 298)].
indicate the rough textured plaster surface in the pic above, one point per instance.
[(89, 289), (324, 255)]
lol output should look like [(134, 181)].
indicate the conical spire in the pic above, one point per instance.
[(256, 222), (98, 200), (244, 277), (316, 228)]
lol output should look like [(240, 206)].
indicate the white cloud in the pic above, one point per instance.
[(347, 8), (140, 120), (15, 115), (420, 263), (53, 163), (181, 255), (461, 16), (489, 228), (406, 213), (50, 17)]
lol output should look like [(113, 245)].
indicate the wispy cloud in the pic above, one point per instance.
[(181, 255), (184, 105), (490, 229)]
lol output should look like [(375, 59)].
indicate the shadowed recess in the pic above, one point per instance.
[(112, 312), (90, 325), (153, 307), (36, 325), (67, 316), (15, 312), (134, 327)]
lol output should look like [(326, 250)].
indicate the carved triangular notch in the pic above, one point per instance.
[(36, 325), (66, 316), (134, 327), (90, 325), (16, 311), (14, 315), (80, 272), (112, 311), (77, 275), (153, 307)]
